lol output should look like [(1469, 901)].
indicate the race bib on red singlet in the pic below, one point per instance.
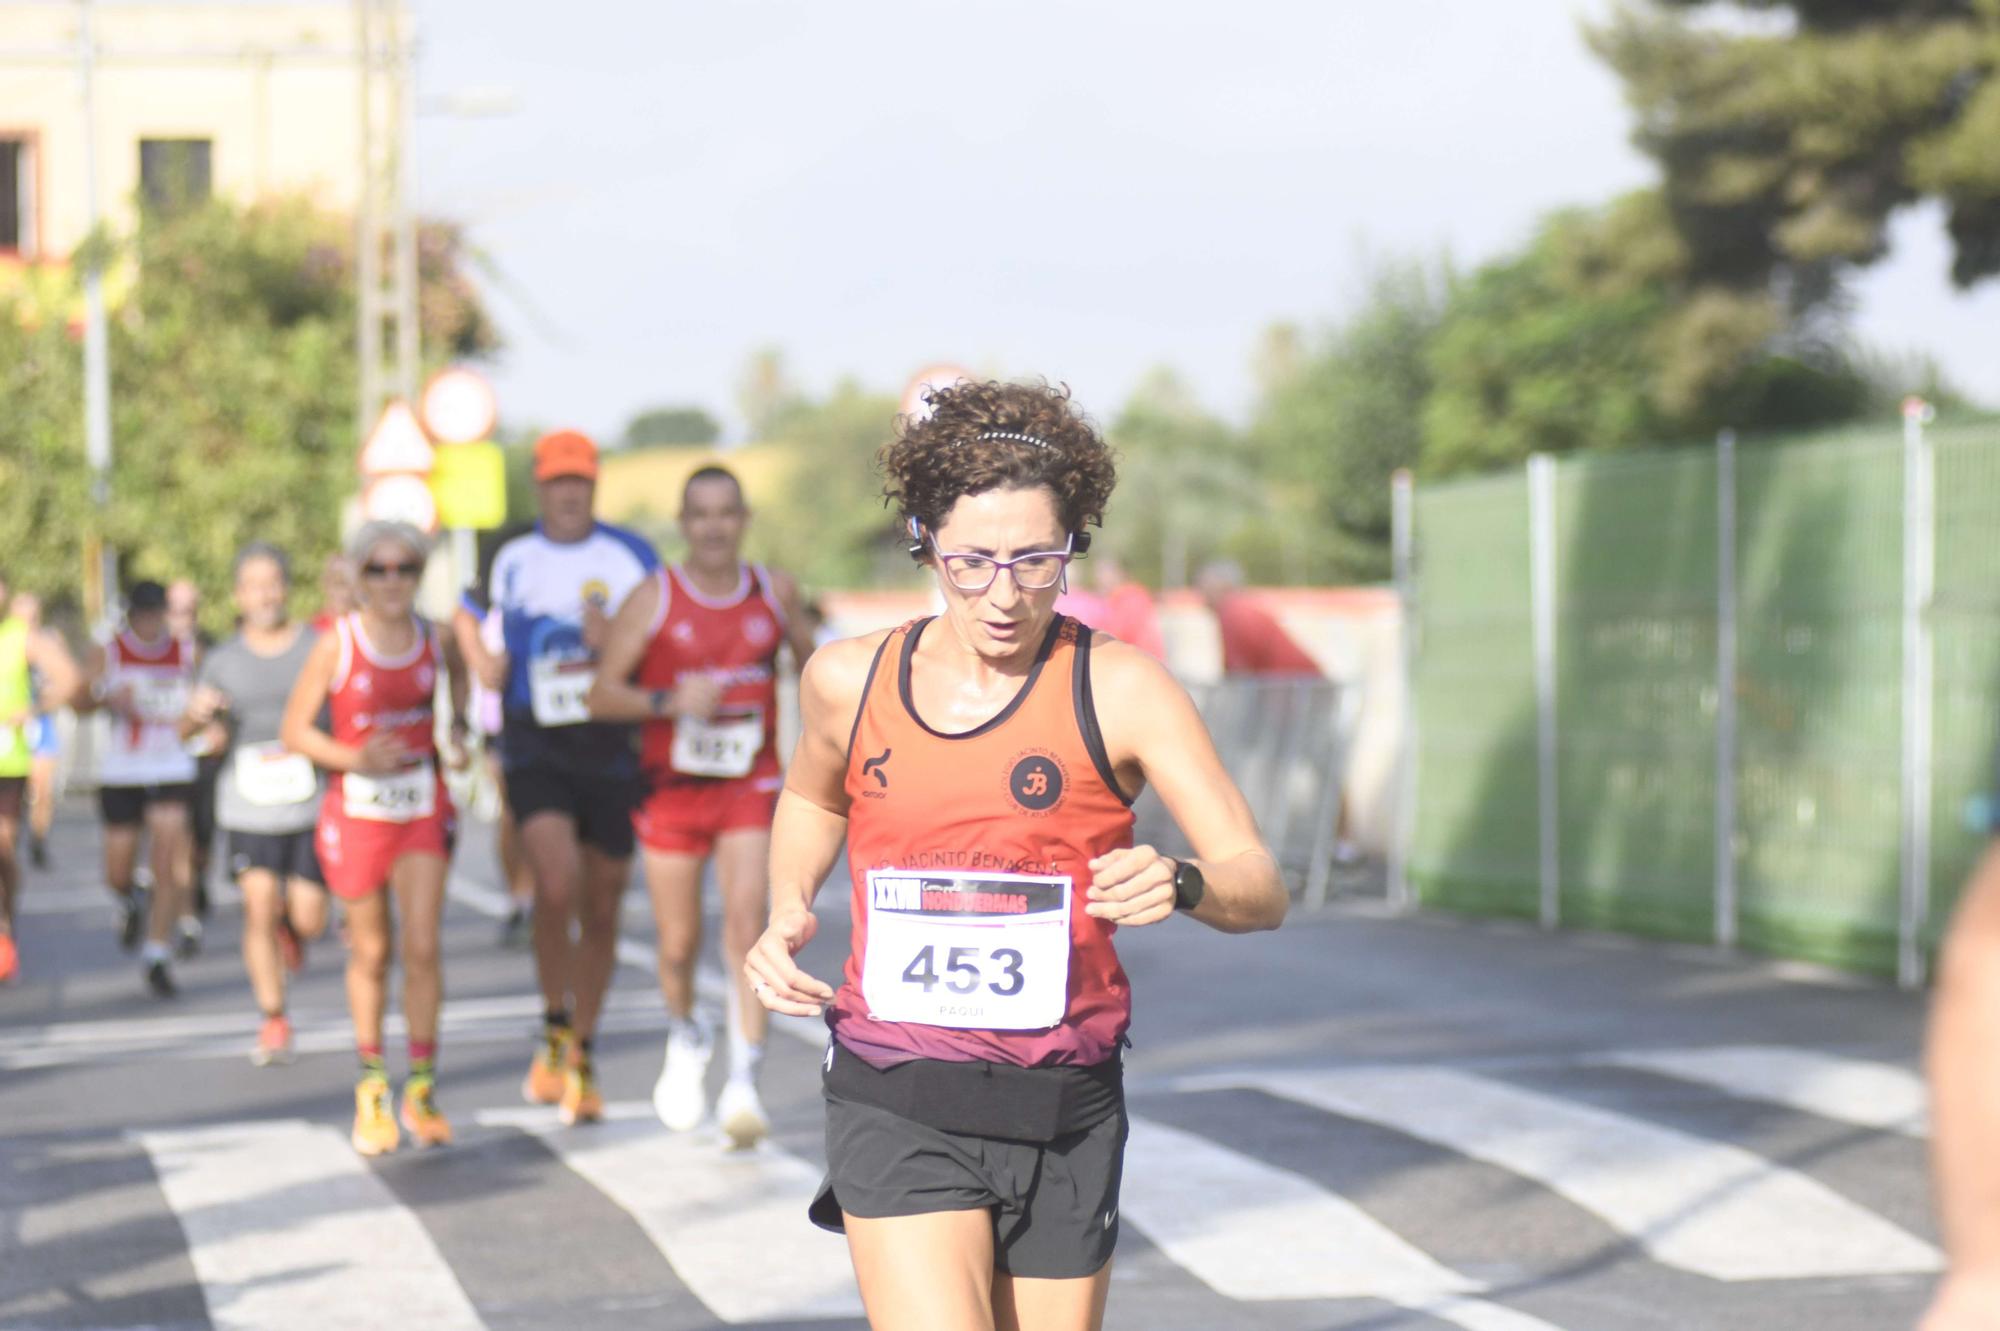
[(725, 745), (975, 951), (407, 796)]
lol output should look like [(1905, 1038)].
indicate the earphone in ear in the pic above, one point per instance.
[(916, 546), (1080, 544)]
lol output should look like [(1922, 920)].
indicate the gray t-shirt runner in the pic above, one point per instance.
[(261, 787)]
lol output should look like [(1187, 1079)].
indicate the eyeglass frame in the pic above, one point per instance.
[(1062, 556)]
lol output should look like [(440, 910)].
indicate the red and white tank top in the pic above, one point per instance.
[(372, 693), (735, 638), (970, 857), (148, 751)]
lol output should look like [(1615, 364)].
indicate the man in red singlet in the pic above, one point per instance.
[(979, 768), (386, 822), (693, 652)]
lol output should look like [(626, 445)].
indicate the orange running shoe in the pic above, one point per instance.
[(426, 1123), (274, 1042), (10, 959), (582, 1102), (374, 1126), (548, 1075)]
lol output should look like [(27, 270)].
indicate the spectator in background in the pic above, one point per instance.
[(1253, 641), (336, 592), (184, 623), (1128, 607)]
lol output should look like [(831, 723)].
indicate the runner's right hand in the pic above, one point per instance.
[(492, 670), (696, 697), (775, 978), (206, 701), (380, 754)]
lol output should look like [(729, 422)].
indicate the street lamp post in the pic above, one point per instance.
[(96, 339)]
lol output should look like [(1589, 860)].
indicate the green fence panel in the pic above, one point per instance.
[(1635, 692), (1966, 659), (1474, 843), (1819, 699)]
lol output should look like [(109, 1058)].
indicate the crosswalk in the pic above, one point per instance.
[(1241, 1187)]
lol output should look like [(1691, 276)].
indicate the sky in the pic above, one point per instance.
[(1083, 190)]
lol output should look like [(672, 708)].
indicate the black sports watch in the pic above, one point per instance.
[(1189, 885)]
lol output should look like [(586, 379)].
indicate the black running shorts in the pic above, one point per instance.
[(125, 806), (601, 806), (287, 854), (1054, 1204)]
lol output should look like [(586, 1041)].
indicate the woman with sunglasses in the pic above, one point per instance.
[(979, 768), (385, 825)]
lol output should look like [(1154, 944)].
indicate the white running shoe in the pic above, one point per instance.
[(678, 1097), (741, 1114)]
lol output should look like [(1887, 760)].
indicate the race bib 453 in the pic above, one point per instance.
[(973, 951)]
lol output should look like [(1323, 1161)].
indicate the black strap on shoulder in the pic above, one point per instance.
[(1086, 714), (867, 687)]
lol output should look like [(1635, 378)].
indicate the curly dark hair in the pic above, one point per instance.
[(964, 447)]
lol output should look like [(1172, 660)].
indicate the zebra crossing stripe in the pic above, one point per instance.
[(283, 1217), (1253, 1232), (1701, 1205), (731, 1224), (1847, 1090)]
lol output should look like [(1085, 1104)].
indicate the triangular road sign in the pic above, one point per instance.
[(396, 444)]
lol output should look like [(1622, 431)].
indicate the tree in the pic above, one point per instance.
[(1337, 420), (671, 425), (1188, 489), (233, 383), (830, 525), (1784, 155), (765, 393)]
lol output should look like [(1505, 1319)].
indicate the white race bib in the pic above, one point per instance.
[(557, 690), (269, 774), (985, 951), (722, 746), (397, 797), (159, 701)]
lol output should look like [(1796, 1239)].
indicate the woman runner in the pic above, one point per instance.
[(386, 820), (980, 767)]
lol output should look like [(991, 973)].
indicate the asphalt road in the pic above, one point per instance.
[(1355, 1122)]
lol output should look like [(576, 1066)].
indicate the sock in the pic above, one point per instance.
[(423, 1060), (744, 1058), (683, 1029), (585, 1049), (556, 1019), (371, 1061), (155, 951)]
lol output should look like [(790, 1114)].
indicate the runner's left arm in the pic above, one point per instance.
[(458, 686), (1152, 730), (1965, 1100), (62, 679), (613, 696), (798, 633)]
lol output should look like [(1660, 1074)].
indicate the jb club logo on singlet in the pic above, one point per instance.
[(1036, 780)]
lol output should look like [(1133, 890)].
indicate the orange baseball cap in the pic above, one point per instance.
[(565, 453)]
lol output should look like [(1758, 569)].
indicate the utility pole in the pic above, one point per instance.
[(385, 217), (103, 588)]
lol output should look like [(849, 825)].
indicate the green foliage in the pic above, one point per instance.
[(1338, 420), (829, 525), (671, 425), (1784, 155), (233, 388)]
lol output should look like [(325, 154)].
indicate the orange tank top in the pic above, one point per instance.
[(969, 855)]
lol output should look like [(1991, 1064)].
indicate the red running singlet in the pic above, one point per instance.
[(367, 822), (736, 639), (970, 856)]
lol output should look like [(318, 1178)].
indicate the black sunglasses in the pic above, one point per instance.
[(413, 569)]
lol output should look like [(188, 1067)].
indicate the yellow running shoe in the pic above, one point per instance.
[(548, 1075), (582, 1102), (426, 1123), (374, 1126)]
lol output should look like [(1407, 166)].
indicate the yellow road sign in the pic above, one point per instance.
[(470, 484)]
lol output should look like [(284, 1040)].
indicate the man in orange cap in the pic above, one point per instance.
[(571, 782)]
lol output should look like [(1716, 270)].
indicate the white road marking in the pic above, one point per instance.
[(283, 1217), (1700, 1205), (732, 1224), (1848, 1090), (1254, 1232)]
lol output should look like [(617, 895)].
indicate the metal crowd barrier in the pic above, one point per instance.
[(1285, 741)]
